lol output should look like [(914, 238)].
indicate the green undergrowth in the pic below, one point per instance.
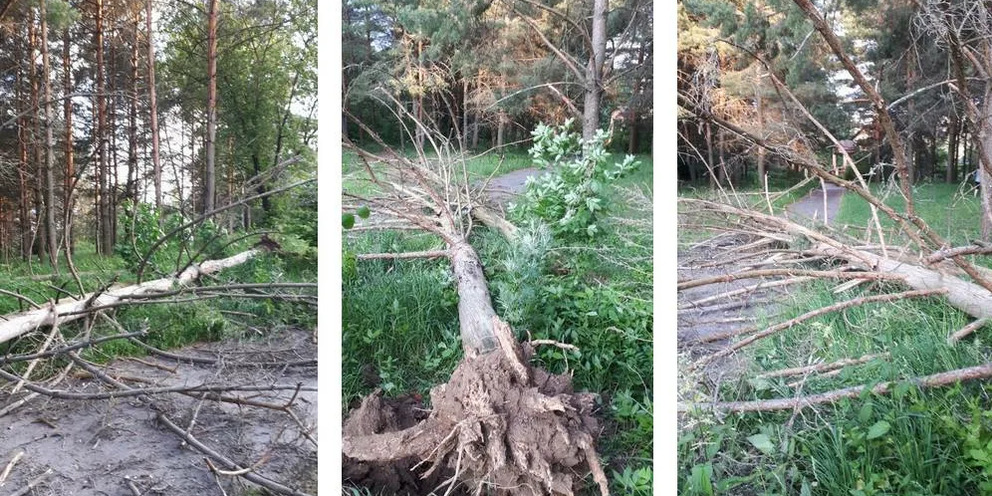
[(400, 322), (921, 442), (194, 317)]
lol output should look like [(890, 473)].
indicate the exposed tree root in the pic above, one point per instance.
[(497, 423)]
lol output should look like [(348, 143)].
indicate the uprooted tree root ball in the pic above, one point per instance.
[(498, 424)]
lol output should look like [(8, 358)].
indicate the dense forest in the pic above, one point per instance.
[(489, 72), (158, 242), (929, 63), (112, 104)]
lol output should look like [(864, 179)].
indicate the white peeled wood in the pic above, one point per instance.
[(15, 325)]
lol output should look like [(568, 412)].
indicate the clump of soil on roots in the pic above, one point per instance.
[(497, 424)]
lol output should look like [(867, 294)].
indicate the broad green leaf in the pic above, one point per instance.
[(700, 479), (763, 443), (879, 429)]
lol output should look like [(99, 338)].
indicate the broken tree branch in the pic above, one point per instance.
[(936, 380)]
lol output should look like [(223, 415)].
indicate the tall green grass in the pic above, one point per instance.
[(912, 442)]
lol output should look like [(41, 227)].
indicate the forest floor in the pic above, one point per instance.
[(118, 446)]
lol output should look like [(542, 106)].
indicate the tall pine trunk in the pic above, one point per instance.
[(38, 238), (49, 166), (104, 246), (132, 120), (68, 182), (22, 168), (209, 173), (153, 107), (594, 71)]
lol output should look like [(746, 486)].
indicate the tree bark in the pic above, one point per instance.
[(464, 140), (500, 131), (952, 149), (18, 324), (22, 169), (209, 172), (70, 169), (132, 124), (475, 307), (711, 166), (594, 71), (153, 107), (39, 240), (49, 167), (103, 223)]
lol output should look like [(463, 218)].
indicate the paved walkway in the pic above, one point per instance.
[(812, 205), (503, 189)]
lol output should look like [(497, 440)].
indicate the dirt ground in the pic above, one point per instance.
[(118, 446)]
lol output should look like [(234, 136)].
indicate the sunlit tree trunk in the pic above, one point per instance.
[(153, 107), (209, 172), (594, 71)]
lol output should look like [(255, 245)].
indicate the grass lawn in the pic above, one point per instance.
[(945, 207)]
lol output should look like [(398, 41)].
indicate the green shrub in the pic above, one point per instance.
[(571, 196)]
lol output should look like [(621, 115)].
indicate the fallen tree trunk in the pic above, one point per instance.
[(969, 297), (961, 294), (18, 324)]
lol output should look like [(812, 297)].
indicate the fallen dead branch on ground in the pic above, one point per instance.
[(16, 325), (930, 381)]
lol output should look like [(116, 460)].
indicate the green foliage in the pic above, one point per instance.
[(399, 318), (142, 226), (634, 482), (519, 285), (571, 196)]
